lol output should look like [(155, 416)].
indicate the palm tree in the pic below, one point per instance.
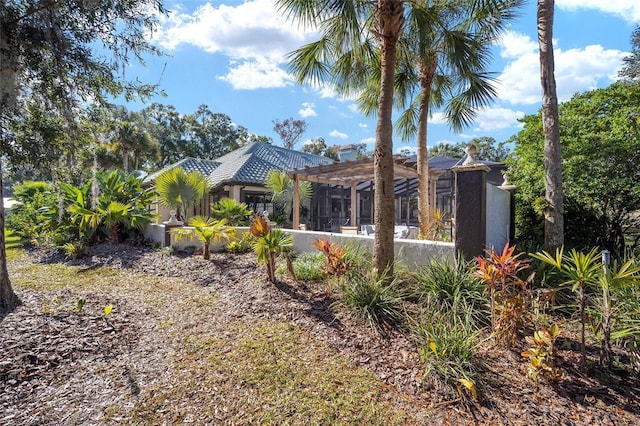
[(178, 189), (345, 26), (553, 212), (281, 187), (208, 231), (444, 53)]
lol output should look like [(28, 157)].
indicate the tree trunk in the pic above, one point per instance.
[(206, 253), (8, 98), (8, 299), (390, 21), (427, 72), (554, 212)]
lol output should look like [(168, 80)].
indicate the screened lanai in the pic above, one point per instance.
[(343, 193)]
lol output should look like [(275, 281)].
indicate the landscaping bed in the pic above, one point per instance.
[(212, 342)]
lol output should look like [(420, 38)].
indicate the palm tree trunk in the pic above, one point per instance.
[(553, 214), (390, 21), (206, 253), (427, 73)]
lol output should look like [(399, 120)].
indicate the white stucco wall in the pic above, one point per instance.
[(412, 253), (498, 205)]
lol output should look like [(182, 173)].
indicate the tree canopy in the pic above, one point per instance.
[(631, 64), (57, 55), (600, 135)]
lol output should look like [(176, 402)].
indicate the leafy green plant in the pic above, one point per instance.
[(208, 231), (437, 226), (580, 270), (541, 354), (178, 189), (451, 285), (269, 244), (75, 250), (243, 245), (25, 217), (233, 212), (612, 282), (337, 262), (510, 294), (307, 266), (372, 297), (282, 188), (447, 348)]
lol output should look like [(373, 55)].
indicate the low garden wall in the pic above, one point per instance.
[(412, 253)]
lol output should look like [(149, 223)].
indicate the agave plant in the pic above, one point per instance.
[(208, 231)]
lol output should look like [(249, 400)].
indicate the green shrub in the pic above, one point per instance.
[(75, 250), (447, 349), (242, 245), (307, 266), (453, 287), (25, 218), (373, 298)]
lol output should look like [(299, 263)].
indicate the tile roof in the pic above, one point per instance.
[(188, 164), (248, 164)]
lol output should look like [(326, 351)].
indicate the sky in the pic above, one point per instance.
[(231, 56)]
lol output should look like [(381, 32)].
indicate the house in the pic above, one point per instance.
[(241, 174), (344, 192)]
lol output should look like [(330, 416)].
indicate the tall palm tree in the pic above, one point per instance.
[(345, 25), (554, 210), (443, 63)]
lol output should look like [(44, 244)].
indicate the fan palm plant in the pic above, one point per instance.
[(233, 212), (268, 244), (344, 25), (281, 187), (208, 231), (178, 189)]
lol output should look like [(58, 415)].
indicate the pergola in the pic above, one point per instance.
[(348, 173)]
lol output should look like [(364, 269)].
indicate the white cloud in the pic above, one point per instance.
[(628, 10), (363, 125), (337, 134), (368, 141), (576, 70), (252, 29), (491, 119), (488, 119), (307, 110), (256, 74)]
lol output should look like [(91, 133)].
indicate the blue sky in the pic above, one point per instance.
[(229, 55)]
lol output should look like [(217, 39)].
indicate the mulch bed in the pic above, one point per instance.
[(45, 357)]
